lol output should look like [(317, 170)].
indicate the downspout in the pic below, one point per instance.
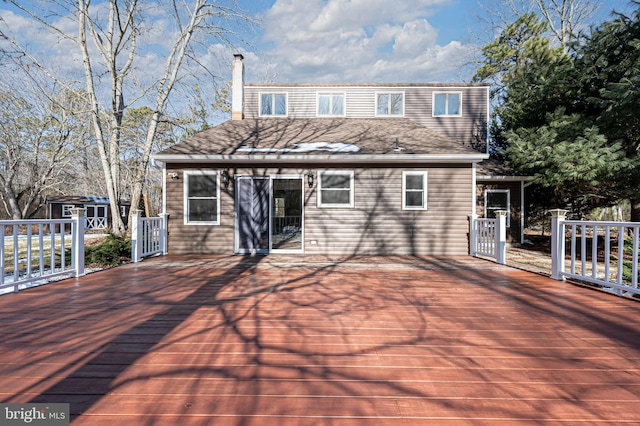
[(522, 212), (488, 120), (164, 188), (524, 185), (474, 195)]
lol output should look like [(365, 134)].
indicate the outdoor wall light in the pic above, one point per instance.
[(310, 178), (173, 175), (225, 178)]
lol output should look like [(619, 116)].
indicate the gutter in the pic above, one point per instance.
[(493, 178), (321, 159)]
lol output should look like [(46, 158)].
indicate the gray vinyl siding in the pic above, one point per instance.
[(378, 225), (375, 225), (360, 102), (470, 128), (198, 238)]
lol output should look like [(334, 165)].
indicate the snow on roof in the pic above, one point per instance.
[(337, 147)]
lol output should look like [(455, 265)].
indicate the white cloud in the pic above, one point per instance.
[(359, 40), (414, 37)]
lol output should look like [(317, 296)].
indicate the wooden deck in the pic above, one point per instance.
[(295, 340)]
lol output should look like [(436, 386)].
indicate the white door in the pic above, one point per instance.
[(96, 216)]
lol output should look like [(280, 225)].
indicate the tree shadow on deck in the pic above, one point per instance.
[(188, 330)]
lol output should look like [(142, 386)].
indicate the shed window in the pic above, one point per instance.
[(497, 199), (66, 210), (414, 189), (447, 104), (331, 104), (335, 189), (202, 198)]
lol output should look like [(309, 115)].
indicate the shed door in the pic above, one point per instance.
[(96, 216), (252, 216)]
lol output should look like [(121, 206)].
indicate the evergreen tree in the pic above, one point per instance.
[(609, 61), (570, 121)]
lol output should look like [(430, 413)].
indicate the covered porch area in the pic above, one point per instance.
[(320, 340)]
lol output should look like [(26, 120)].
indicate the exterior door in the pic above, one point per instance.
[(286, 214), (96, 216), (252, 214)]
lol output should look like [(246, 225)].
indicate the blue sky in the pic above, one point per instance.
[(377, 40), (320, 40)]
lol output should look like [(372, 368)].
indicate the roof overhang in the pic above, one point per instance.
[(321, 159)]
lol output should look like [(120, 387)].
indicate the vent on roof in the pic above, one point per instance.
[(397, 147)]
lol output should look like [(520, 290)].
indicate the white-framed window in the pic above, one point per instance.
[(201, 198), (66, 210), (447, 104), (273, 104), (497, 199), (331, 104), (390, 104), (123, 211), (335, 188), (414, 190)]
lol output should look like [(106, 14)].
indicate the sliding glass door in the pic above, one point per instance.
[(269, 214), (286, 214), (252, 224)]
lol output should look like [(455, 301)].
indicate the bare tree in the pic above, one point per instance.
[(564, 18), (115, 73), (40, 135)]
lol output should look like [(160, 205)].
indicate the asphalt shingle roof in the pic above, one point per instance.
[(317, 136)]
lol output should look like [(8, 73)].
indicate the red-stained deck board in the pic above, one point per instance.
[(317, 340)]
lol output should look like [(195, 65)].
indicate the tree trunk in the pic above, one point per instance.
[(13, 204), (112, 185), (635, 209), (141, 173)]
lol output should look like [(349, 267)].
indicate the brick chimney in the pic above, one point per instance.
[(237, 88)]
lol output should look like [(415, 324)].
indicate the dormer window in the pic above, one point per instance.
[(331, 104), (273, 104), (390, 104), (447, 104)]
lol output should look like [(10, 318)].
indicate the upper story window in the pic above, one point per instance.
[(201, 198), (447, 104), (331, 104), (335, 188), (414, 189), (390, 104), (273, 104), (497, 199)]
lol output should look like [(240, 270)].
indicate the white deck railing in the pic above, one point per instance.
[(148, 236), (601, 253), (34, 251), (488, 237)]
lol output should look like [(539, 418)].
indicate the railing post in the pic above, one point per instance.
[(164, 234), (473, 235), (501, 236), (136, 236), (77, 235), (557, 243)]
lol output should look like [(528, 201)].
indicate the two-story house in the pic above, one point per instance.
[(331, 169)]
